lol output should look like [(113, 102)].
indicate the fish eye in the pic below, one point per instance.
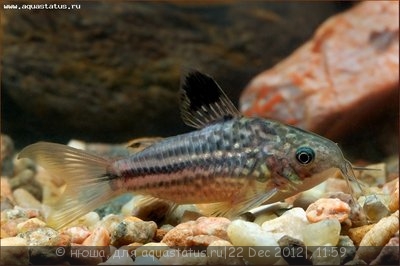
[(305, 155)]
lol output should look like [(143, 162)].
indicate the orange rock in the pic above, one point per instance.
[(201, 240), (327, 209), (185, 234), (350, 67), (99, 237), (356, 234), (392, 188), (78, 234)]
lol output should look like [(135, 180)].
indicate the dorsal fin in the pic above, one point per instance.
[(203, 101)]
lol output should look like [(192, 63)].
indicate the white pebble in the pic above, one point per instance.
[(220, 252), (151, 250), (262, 245), (323, 233), (291, 223), (25, 199), (89, 220)]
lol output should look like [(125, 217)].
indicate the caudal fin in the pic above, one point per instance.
[(85, 174)]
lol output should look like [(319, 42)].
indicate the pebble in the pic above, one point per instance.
[(294, 251), (77, 233), (111, 221), (374, 208), (99, 237), (304, 200), (356, 262), (394, 195), (17, 212), (389, 255), (181, 214), (53, 186), (26, 180), (6, 155), (178, 236), (30, 224), (23, 164), (328, 208), (378, 236), (45, 236), (328, 233), (290, 223), (81, 255), (215, 226), (356, 234), (6, 197), (357, 216), (119, 257), (242, 233), (183, 257), (201, 240), (24, 199), (325, 256), (22, 178), (9, 227), (152, 249), (346, 249), (89, 220), (184, 233), (14, 251), (220, 252), (113, 206), (160, 233), (127, 232)]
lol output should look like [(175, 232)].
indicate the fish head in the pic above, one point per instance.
[(306, 159)]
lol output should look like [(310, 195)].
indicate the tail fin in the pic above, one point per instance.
[(85, 174)]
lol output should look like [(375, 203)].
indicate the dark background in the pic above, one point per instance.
[(110, 72)]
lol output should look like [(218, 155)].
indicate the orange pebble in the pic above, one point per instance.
[(326, 209)]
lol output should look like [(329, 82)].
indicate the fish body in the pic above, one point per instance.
[(231, 163)]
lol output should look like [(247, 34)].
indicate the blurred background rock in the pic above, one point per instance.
[(110, 72)]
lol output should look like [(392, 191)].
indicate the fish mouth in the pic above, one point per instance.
[(347, 170)]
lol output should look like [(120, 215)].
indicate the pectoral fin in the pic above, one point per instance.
[(234, 208)]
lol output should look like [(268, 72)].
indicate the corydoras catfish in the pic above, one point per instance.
[(231, 163)]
